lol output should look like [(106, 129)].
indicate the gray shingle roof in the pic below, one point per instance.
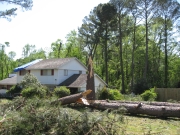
[(9, 81), (50, 63), (76, 80)]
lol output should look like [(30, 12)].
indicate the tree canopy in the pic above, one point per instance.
[(8, 13)]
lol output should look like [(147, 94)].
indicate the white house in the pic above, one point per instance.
[(69, 72)]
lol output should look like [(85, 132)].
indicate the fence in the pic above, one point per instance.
[(165, 94)]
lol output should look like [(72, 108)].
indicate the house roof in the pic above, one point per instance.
[(54, 63), (9, 81), (75, 80), (26, 65)]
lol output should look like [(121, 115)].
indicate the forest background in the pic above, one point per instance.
[(134, 45)]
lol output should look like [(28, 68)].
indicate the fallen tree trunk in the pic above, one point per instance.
[(146, 102), (72, 98), (140, 108), (159, 109)]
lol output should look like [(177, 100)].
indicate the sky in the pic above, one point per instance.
[(48, 21)]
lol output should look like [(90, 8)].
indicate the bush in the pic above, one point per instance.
[(111, 94), (15, 89), (40, 117), (33, 91), (140, 86), (61, 91), (149, 95), (32, 87), (29, 80)]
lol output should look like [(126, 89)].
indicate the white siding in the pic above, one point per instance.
[(56, 79), (19, 78), (99, 84), (74, 65), (51, 79)]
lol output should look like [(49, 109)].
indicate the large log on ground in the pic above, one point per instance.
[(72, 98), (146, 102), (140, 108)]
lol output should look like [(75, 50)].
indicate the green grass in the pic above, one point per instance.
[(148, 126)]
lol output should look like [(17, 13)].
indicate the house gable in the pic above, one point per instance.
[(74, 64)]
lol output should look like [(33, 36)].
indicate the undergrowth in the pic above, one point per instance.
[(34, 116)]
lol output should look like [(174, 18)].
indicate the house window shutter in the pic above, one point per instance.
[(20, 72), (41, 72), (29, 71), (52, 71)]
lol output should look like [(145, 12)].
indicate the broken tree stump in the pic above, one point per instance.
[(72, 98)]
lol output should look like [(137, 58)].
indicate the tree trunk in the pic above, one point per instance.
[(106, 55), (146, 58), (147, 103), (140, 108), (121, 55), (90, 80), (133, 49), (166, 59), (72, 98), (159, 109)]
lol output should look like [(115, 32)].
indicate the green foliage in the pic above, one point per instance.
[(15, 89), (61, 91), (132, 97), (57, 48), (140, 86), (111, 94), (29, 80), (149, 95), (30, 92), (35, 116), (32, 87), (8, 13)]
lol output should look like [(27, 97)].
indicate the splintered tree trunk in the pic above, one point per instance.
[(72, 98), (140, 108), (90, 80)]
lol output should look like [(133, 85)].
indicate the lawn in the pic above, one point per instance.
[(147, 126)]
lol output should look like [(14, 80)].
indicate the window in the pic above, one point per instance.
[(65, 72), (23, 72), (47, 72)]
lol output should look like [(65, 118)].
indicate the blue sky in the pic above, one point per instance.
[(45, 23), (48, 21)]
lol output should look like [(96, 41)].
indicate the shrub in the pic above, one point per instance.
[(29, 80), (15, 89), (61, 91), (33, 91), (149, 95), (103, 93), (140, 86), (112, 94), (32, 87), (39, 117)]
